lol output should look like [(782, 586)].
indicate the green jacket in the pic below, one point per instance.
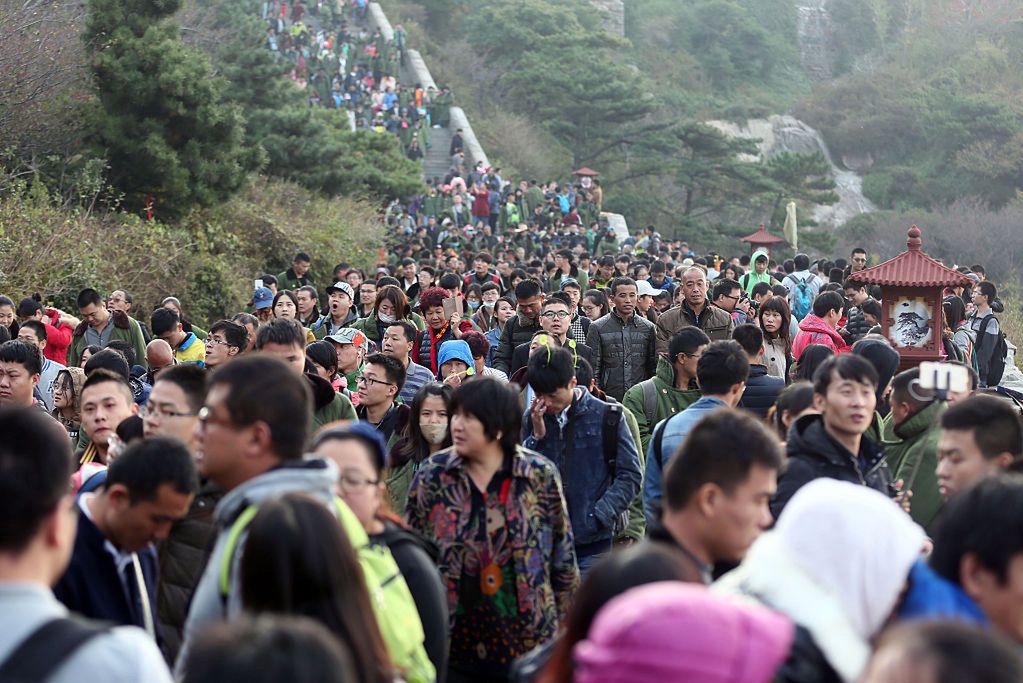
[(288, 280), (911, 450), (340, 408), (125, 328), (669, 400), (636, 529), (368, 325)]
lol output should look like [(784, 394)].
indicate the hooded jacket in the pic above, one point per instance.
[(373, 328), (911, 450), (750, 279), (328, 405), (814, 454), (315, 477), (669, 400), (455, 349), (835, 564), (417, 557), (813, 330)]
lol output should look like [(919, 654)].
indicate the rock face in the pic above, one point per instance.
[(615, 9), (779, 134), (814, 30)]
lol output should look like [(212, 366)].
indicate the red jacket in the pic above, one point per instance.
[(58, 337), (813, 330)]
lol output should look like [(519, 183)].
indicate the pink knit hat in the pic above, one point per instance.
[(673, 631)]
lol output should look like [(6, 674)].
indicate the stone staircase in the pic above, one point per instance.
[(437, 161)]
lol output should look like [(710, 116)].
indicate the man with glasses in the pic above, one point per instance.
[(100, 325), (556, 321), (225, 341), (379, 383), (726, 296), (695, 311), (857, 261), (251, 441), (120, 300)]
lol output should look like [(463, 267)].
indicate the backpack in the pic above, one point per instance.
[(997, 366), (393, 606), (802, 299), (40, 655)]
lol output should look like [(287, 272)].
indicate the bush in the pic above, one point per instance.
[(208, 260)]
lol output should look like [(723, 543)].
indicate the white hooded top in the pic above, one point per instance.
[(835, 563)]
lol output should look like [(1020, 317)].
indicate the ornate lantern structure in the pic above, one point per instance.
[(911, 286), (762, 238)]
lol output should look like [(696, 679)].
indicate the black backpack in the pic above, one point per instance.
[(609, 436), (997, 366)]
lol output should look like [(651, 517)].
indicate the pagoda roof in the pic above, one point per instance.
[(912, 268), (761, 236)]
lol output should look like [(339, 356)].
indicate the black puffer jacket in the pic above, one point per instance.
[(856, 326), (417, 557), (761, 390), (518, 330), (813, 454), (183, 558), (624, 353), (805, 663)]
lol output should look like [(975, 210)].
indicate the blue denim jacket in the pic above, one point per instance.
[(578, 452)]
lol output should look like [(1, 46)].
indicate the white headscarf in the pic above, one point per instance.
[(835, 563), (856, 543)]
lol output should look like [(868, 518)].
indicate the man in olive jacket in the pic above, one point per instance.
[(911, 433), (100, 326), (694, 311), (623, 343)]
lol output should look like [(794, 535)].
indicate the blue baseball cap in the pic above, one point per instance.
[(263, 298)]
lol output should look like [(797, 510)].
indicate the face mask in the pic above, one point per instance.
[(489, 304), (473, 305), (434, 433), (385, 317)]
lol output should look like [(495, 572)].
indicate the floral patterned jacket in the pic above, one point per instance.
[(538, 539)]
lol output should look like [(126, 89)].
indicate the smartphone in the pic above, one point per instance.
[(944, 377), (450, 306), (256, 284)]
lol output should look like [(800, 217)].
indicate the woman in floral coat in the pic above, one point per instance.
[(498, 515)]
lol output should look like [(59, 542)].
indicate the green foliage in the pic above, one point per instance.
[(161, 122), (208, 259), (941, 117)]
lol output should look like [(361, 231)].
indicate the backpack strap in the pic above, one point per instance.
[(649, 400), (656, 439), (612, 418), (233, 535), (47, 648), (982, 332)]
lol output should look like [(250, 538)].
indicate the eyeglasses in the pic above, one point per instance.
[(214, 340), (155, 411), (353, 481), (206, 419), (726, 296), (362, 379), (561, 315)]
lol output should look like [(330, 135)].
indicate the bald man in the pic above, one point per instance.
[(694, 311), (159, 355)]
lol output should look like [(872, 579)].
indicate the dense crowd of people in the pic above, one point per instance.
[(529, 453)]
